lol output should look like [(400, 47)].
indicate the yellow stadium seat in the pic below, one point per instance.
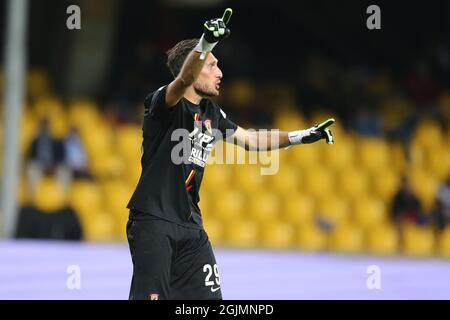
[(84, 114), (206, 203), (217, 178), (353, 183), (311, 238), (341, 155), (444, 243), (428, 134), (242, 233), (49, 195), (277, 235), (334, 209), (99, 226), (45, 107), (319, 182), (38, 84), (215, 230), (85, 197), (112, 166), (285, 181), (398, 157), (128, 141), (369, 212), (115, 196), (98, 140), (306, 157), (264, 207), (298, 208), (438, 162), (385, 183), (228, 206), (418, 241), (383, 240), (347, 238), (425, 185), (289, 120), (373, 154), (248, 178)]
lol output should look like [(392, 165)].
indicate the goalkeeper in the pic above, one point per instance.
[(170, 250)]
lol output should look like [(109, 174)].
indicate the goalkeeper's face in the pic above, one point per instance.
[(208, 82)]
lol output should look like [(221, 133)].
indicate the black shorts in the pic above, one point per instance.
[(171, 262)]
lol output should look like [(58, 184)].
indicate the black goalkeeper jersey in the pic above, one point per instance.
[(176, 144)]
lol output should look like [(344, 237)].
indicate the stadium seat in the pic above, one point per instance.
[(110, 165), (418, 241), (128, 141), (384, 183), (217, 178), (277, 235), (310, 237), (383, 240), (85, 197), (228, 206), (215, 229), (289, 120), (306, 157), (353, 183), (369, 212), (428, 134), (285, 181), (49, 195), (340, 156), (298, 208), (318, 182), (38, 85), (425, 185), (99, 226), (444, 243), (116, 195), (264, 207), (438, 162), (242, 233), (84, 114), (333, 209), (347, 238), (248, 178), (373, 154)]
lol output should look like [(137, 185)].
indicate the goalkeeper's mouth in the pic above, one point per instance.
[(218, 85)]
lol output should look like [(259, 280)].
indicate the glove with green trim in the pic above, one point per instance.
[(313, 134), (214, 30)]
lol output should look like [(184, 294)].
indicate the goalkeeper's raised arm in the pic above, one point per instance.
[(214, 30)]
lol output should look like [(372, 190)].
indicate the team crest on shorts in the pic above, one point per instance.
[(153, 296)]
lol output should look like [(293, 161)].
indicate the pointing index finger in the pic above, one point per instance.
[(227, 15)]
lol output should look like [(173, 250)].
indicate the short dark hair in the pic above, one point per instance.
[(179, 53)]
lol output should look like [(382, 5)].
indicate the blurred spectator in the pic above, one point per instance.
[(441, 214), (76, 157), (46, 155), (406, 207)]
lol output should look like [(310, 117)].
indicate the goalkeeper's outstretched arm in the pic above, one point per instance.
[(266, 140)]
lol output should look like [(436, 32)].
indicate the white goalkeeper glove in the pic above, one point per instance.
[(313, 134), (214, 30)]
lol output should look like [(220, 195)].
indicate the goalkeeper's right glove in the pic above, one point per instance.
[(214, 30), (313, 134)]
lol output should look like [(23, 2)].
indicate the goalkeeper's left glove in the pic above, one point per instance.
[(313, 134)]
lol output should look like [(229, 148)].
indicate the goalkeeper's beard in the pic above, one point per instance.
[(205, 92)]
